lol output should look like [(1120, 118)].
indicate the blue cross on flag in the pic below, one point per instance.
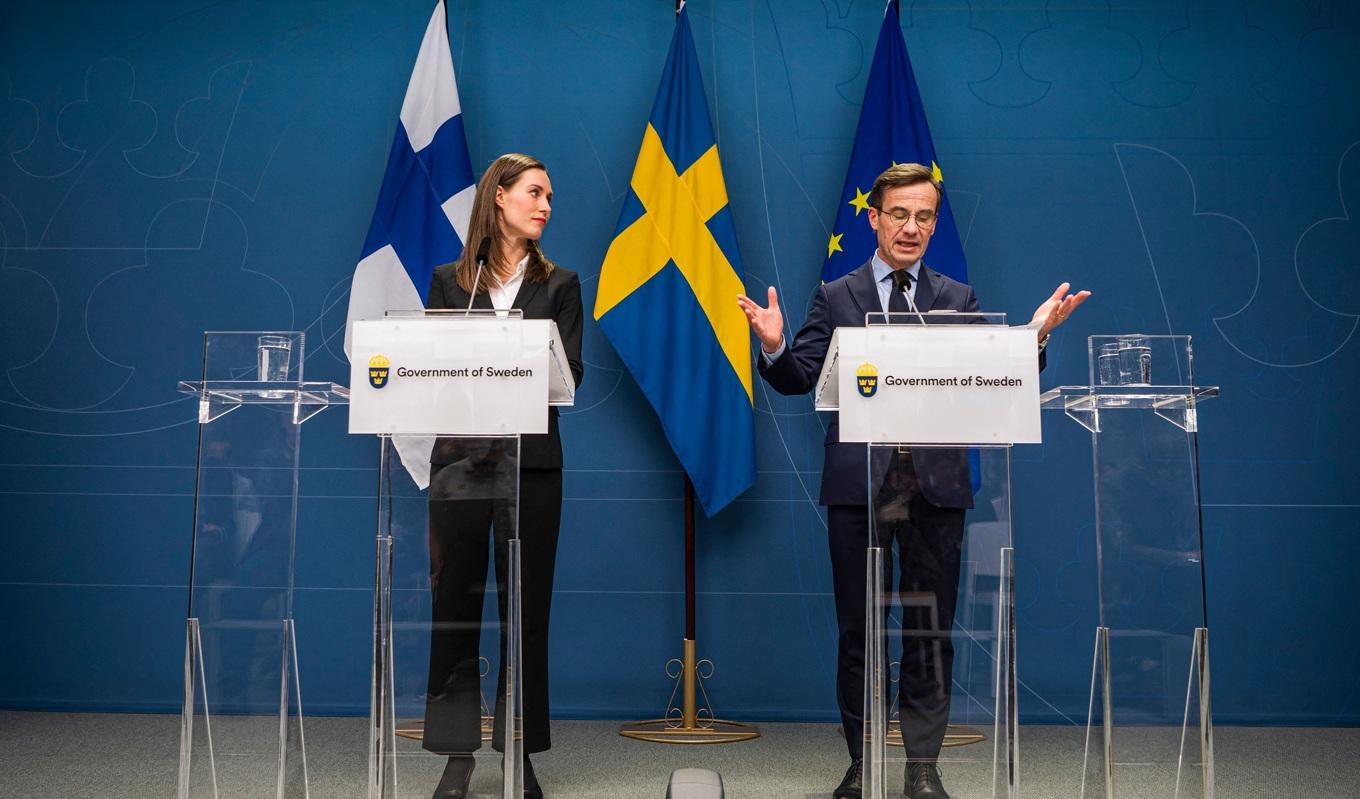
[(423, 206), (426, 196)]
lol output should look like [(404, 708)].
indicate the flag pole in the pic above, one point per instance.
[(689, 715), (689, 708), (688, 729)]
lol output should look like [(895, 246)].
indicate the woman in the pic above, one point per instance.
[(472, 485)]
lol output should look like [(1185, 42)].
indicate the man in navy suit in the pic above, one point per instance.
[(932, 485)]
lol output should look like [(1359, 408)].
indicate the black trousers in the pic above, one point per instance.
[(929, 543), (460, 532)]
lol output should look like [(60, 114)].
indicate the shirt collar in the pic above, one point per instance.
[(518, 274), (882, 269)]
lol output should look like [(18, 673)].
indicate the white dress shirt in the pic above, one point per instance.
[(503, 294)]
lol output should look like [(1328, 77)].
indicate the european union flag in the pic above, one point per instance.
[(892, 130), (668, 287)]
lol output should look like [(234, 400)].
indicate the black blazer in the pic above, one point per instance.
[(943, 473), (558, 299)]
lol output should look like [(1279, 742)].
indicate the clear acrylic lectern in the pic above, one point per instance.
[(241, 730), (450, 392), (1149, 692), (940, 398)]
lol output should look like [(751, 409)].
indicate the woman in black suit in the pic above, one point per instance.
[(472, 483)]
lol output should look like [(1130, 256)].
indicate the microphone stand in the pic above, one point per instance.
[(906, 292), (472, 295)]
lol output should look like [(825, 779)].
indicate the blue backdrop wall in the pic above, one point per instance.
[(167, 168)]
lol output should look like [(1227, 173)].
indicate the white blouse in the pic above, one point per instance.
[(503, 294)]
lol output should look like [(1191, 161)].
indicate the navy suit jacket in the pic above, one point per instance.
[(942, 473)]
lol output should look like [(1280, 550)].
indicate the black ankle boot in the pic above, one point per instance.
[(531, 786), (457, 775)]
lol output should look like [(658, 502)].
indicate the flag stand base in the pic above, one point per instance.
[(414, 730), (688, 728), (955, 735)]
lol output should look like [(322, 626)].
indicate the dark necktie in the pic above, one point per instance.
[(897, 301)]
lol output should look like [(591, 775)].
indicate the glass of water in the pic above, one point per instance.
[(1135, 361), (1108, 363), (275, 352)]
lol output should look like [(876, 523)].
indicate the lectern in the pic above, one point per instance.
[(477, 381), (242, 692), (1150, 657), (937, 400)]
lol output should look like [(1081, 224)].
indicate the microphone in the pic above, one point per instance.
[(906, 292), (483, 250), (902, 281)]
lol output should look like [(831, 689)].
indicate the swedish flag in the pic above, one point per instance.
[(892, 130), (668, 288)]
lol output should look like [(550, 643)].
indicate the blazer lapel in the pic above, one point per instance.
[(863, 291), (527, 290), (482, 300), (925, 289)]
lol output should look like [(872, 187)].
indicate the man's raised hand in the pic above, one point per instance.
[(1055, 310), (766, 323)]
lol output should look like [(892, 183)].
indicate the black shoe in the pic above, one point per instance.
[(531, 787), (457, 775), (532, 790), (852, 785), (923, 782)]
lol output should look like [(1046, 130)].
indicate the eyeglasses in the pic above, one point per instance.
[(924, 219)]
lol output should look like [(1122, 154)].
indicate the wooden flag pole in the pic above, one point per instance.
[(689, 728)]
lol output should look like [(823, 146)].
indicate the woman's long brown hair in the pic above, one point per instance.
[(504, 172)]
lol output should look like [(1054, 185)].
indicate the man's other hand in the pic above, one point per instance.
[(1055, 310)]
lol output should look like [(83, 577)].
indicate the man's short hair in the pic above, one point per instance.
[(904, 175)]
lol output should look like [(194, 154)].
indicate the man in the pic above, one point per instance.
[(932, 484)]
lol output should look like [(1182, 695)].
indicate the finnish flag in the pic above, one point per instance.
[(423, 207)]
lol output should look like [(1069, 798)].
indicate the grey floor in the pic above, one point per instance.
[(122, 755)]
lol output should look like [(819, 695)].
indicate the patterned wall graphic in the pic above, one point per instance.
[(167, 169)]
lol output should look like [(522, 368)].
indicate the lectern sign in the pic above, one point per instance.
[(946, 384), (449, 375)]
